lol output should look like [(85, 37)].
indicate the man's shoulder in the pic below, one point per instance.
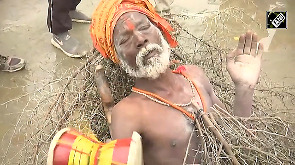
[(130, 104), (197, 74), (194, 70)]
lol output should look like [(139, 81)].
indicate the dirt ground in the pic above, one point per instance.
[(24, 33)]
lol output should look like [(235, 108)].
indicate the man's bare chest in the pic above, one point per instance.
[(167, 132), (165, 126)]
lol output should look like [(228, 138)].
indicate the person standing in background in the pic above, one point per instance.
[(61, 13)]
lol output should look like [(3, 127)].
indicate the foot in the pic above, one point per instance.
[(11, 64), (79, 17), (69, 45)]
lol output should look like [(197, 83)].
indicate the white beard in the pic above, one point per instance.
[(154, 66)]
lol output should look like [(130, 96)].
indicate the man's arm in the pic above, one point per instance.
[(125, 120), (243, 65)]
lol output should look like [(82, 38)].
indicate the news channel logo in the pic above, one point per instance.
[(276, 19)]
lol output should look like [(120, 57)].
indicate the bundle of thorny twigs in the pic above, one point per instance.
[(267, 137)]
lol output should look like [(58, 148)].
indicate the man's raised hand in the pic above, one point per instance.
[(244, 63)]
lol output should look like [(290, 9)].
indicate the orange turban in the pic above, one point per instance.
[(106, 16)]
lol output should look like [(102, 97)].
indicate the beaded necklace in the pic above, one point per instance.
[(164, 103), (160, 100)]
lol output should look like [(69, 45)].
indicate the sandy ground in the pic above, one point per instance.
[(23, 33)]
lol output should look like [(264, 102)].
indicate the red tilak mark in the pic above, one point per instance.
[(130, 25)]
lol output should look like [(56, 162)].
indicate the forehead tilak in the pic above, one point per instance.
[(130, 19), (128, 22), (130, 25)]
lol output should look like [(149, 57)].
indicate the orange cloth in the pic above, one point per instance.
[(105, 18)]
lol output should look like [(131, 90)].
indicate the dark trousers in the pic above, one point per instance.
[(58, 19)]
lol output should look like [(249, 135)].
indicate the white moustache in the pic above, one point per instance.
[(149, 48)]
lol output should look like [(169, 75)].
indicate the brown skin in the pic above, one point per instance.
[(132, 35), (165, 130)]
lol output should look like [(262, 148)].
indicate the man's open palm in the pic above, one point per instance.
[(244, 63)]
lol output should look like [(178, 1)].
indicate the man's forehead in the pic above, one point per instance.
[(130, 16)]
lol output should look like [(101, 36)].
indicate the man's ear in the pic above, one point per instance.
[(120, 56)]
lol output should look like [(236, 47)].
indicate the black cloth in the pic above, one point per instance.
[(58, 19)]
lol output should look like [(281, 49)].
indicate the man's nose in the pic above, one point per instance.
[(142, 40)]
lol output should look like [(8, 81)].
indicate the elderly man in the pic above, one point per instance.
[(132, 34)]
